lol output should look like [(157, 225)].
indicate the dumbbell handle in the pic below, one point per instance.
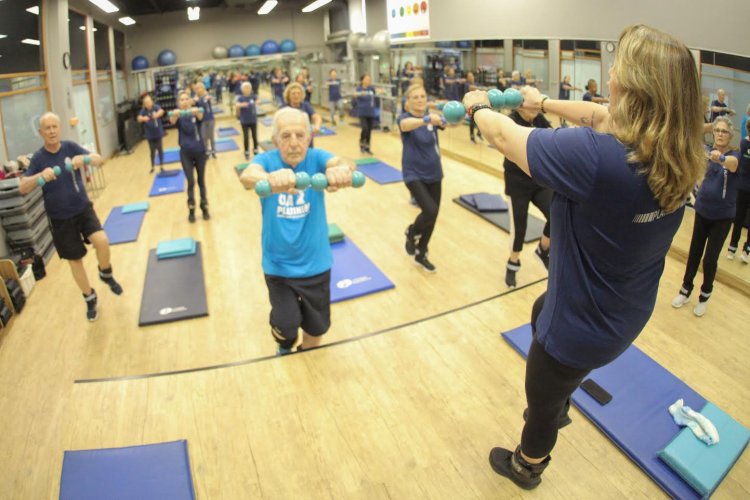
[(303, 181), (41, 181), (320, 181), (722, 158)]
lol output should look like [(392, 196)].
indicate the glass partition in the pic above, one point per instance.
[(531, 60), (21, 113), (581, 60)]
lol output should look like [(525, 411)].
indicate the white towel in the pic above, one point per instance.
[(700, 425)]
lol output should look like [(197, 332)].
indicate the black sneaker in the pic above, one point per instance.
[(106, 276), (562, 421), (92, 313), (152, 170), (511, 268), (213, 154), (247, 155), (421, 260), (410, 246), (191, 216), (204, 209), (473, 141), (255, 152), (543, 256), (512, 465)]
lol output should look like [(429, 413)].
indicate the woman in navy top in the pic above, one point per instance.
[(153, 129), (565, 88), (714, 211), (294, 97), (743, 198), (620, 182), (334, 96), (278, 83), (248, 115), (469, 85), (591, 95), (422, 170), (364, 99), (208, 123), (192, 152)]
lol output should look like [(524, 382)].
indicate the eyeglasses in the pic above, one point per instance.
[(721, 131)]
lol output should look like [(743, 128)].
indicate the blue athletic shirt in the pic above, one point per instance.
[(564, 93), (248, 114), (152, 129), (334, 90), (588, 96), (61, 200), (744, 167), (365, 104), (717, 196), (278, 87), (609, 239), (295, 228), (420, 157), (190, 134), (208, 109)]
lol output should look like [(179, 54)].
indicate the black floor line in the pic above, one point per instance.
[(325, 346)]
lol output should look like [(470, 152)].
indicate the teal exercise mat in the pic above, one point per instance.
[(175, 248), (141, 206)]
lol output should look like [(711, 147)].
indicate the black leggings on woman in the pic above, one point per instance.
[(549, 385), (254, 129), (709, 235), (519, 211), (427, 196), (194, 160), (155, 145), (367, 123), (743, 210)]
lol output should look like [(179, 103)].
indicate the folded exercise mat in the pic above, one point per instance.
[(171, 155), (485, 202), (217, 110), (146, 472), (267, 121), (175, 248), (267, 145), (636, 419), (335, 234), (325, 131), (227, 132), (174, 289), (534, 226), (702, 466), (226, 144), (242, 166), (168, 184), (122, 227), (353, 274), (140, 206), (380, 172), (170, 172)]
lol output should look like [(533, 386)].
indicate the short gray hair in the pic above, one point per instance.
[(246, 84), (47, 115), (726, 121), (289, 114)]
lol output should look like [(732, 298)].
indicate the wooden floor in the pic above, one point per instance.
[(408, 413)]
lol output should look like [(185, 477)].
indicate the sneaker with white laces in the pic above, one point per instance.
[(730, 255), (421, 260), (680, 300), (700, 308)]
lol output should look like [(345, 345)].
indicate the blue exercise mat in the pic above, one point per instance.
[(227, 132), (380, 172), (168, 184), (325, 131), (123, 227), (146, 472), (485, 202), (267, 121), (353, 274), (637, 419), (227, 144), (218, 110), (171, 155), (140, 206)]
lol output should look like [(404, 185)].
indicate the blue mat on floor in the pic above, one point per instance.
[(123, 228), (380, 172), (227, 132), (485, 202), (353, 274), (224, 145), (168, 184), (636, 419), (267, 121), (325, 131), (147, 472), (218, 110), (171, 155)]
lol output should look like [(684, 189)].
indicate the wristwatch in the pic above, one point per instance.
[(476, 108)]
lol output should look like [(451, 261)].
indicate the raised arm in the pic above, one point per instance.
[(587, 114), (252, 174)]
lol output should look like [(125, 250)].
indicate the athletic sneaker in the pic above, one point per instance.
[(92, 313), (680, 300), (700, 308), (191, 216), (247, 155), (152, 170), (730, 255), (745, 256), (410, 246), (421, 260), (204, 209), (511, 268), (543, 255), (283, 351), (106, 276), (213, 154), (512, 465)]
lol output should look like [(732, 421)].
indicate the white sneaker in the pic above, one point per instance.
[(730, 255), (680, 300), (745, 257), (700, 309)]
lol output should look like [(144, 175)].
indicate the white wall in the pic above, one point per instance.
[(194, 41)]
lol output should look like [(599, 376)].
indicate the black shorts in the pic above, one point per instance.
[(70, 235), (300, 302)]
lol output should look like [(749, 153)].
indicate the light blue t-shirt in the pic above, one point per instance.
[(295, 227)]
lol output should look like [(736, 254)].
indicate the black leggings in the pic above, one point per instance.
[(472, 127), (743, 211), (194, 160), (709, 235), (367, 123), (549, 385), (519, 211), (254, 129), (427, 196), (155, 145)]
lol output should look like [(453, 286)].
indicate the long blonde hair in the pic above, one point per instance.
[(658, 112)]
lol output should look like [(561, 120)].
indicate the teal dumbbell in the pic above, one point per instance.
[(69, 164), (40, 180), (454, 112), (513, 98), (358, 179), (303, 181), (87, 160), (320, 181), (200, 110), (440, 106), (497, 98)]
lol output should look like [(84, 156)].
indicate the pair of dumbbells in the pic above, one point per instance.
[(183, 112), (318, 182), (454, 111), (68, 166)]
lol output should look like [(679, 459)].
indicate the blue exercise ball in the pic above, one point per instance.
[(269, 47), (236, 50), (287, 46), (252, 50), (464, 44), (167, 58), (444, 45), (139, 63)]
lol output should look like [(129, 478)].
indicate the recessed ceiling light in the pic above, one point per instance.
[(127, 21), (105, 5), (267, 7), (30, 41), (33, 10), (316, 5)]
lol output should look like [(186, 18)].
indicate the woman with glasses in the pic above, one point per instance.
[(714, 212)]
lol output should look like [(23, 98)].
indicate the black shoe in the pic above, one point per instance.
[(368, 151), (543, 256), (562, 421), (213, 155), (514, 467), (204, 209), (247, 155), (152, 170), (474, 141), (411, 245), (511, 268), (421, 260), (191, 215), (92, 313), (106, 276)]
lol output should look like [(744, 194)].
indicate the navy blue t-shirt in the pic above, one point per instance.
[(190, 134), (420, 157), (564, 93), (452, 87), (248, 114), (715, 114), (334, 90), (208, 108), (152, 129), (717, 196), (61, 200), (278, 86), (744, 168), (609, 239), (305, 106), (365, 104), (588, 96)]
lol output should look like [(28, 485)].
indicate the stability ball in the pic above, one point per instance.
[(236, 50), (219, 52), (252, 50), (167, 58), (139, 62), (269, 47), (287, 46)]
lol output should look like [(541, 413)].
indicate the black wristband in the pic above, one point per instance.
[(476, 108), (541, 105)]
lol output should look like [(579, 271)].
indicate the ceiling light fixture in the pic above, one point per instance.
[(105, 5), (127, 21), (316, 5), (267, 7), (33, 10), (30, 41), (194, 13)]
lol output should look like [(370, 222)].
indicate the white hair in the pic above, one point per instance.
[(726, 121), (246, 84), (47, 115), (289, 114)]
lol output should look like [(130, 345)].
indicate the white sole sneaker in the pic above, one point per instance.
[(679, 301), (745, 257), (700, 309), (730, 255)]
